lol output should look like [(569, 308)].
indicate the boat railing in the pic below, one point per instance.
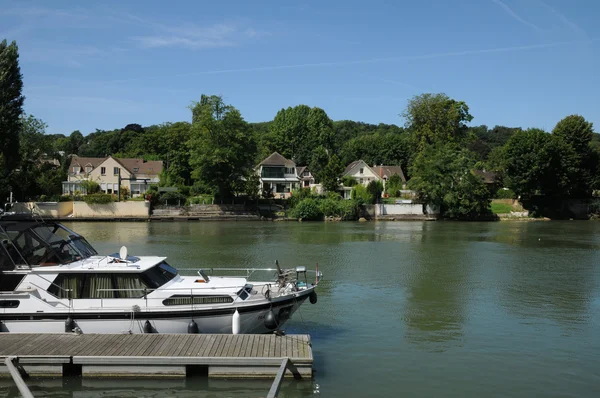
[(290, 274)]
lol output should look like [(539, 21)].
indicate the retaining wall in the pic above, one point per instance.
[(111, 210)]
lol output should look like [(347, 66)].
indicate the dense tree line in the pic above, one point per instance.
[(216, 151)]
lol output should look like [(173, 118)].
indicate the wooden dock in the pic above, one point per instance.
[(157, 355)]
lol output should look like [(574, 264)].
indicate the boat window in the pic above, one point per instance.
[(130, 286), (10, 281), (9, 303), (158, 275), (245, 292), (67, 286), (188, 300), (98, 286)]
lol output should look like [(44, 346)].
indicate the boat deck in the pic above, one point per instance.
[(169, 355)]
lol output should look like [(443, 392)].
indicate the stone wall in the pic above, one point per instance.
[(45, 209), (111, 210), (399, 209)]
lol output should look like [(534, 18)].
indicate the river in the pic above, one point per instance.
[(415, 309)]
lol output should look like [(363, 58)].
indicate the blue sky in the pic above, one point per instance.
[(89, 65)]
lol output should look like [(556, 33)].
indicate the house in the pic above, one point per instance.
[(306, 178), (134, 174), (492, 180), (278, 175), (364, 174)]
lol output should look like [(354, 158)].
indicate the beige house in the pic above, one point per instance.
[(278, 175), (135, 174), (364, 174)]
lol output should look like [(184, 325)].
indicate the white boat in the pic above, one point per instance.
[(52, 280)]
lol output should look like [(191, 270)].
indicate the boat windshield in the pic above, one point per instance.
[(40, 243)]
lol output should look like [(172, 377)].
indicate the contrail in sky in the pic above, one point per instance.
[(362, 61), (515, 16)]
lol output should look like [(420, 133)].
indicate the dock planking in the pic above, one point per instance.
[(224, 355)]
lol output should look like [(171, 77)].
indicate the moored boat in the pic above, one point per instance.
[(52, 280)]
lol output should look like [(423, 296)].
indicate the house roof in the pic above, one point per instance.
[(388, 171), (488, 177), (275, 159), (351, 165), (77, 161), (151, 167)]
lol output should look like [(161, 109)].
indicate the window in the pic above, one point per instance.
[(115, 188), (76, 169), (360, 180), (115, 170), (88, 169), (306, 173), (103, 187), (103, 171), (158, 275), (272, 172), (9, 303), (306, 184), (99, 285), (290, 170), (136, 169), (362, 170), (188, 300)]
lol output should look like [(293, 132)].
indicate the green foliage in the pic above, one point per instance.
[(539, 163), (222, 147), (329, 207), (252, 186), (360, 194), (296, 132), (90, 186), (299, 195), (172, 198), (200, 188), (331, 173), (98, 199), (375, 188), (436, 118), (349, 181), (11, 109), (394, 186), (442, 177), (200, 200), (307, 209), (505, 193), (349, 210)]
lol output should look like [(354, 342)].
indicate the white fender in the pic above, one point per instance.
[(236, 322)]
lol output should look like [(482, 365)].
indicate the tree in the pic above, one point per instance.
[(574, 131), (442, 176), (318, 163), (375, 188), (11, 109), (222, 147), (539, 163), (394, 185), (436, 118), (75, 142), (331, 173)]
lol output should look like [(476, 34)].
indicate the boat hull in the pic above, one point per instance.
[(251, 320)]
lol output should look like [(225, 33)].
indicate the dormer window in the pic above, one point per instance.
[(88, 169), (136, 169), (76, 169)]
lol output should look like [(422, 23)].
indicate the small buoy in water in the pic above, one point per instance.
[(235, 322), (313, 297), (69, 325), (193, 327), (148, 327), (270, 320)]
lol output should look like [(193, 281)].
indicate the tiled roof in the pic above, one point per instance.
[(94, 162), (351, 165), (134, 166), (275, 159), (388, 171), (138, 166)]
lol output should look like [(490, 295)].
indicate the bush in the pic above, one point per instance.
[(329, 207), (298, 195), (307, 209), (200, 200), (360, 194), (172, 198), (349, 210), (200, 188), (185, 190), (348, 181), (98, 199), (375, 188), (91, 187), (394, 186), (503, 193)]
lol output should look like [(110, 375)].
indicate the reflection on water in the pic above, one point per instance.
[(422, 308)]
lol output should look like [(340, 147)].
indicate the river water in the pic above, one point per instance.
[(415, 309)]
